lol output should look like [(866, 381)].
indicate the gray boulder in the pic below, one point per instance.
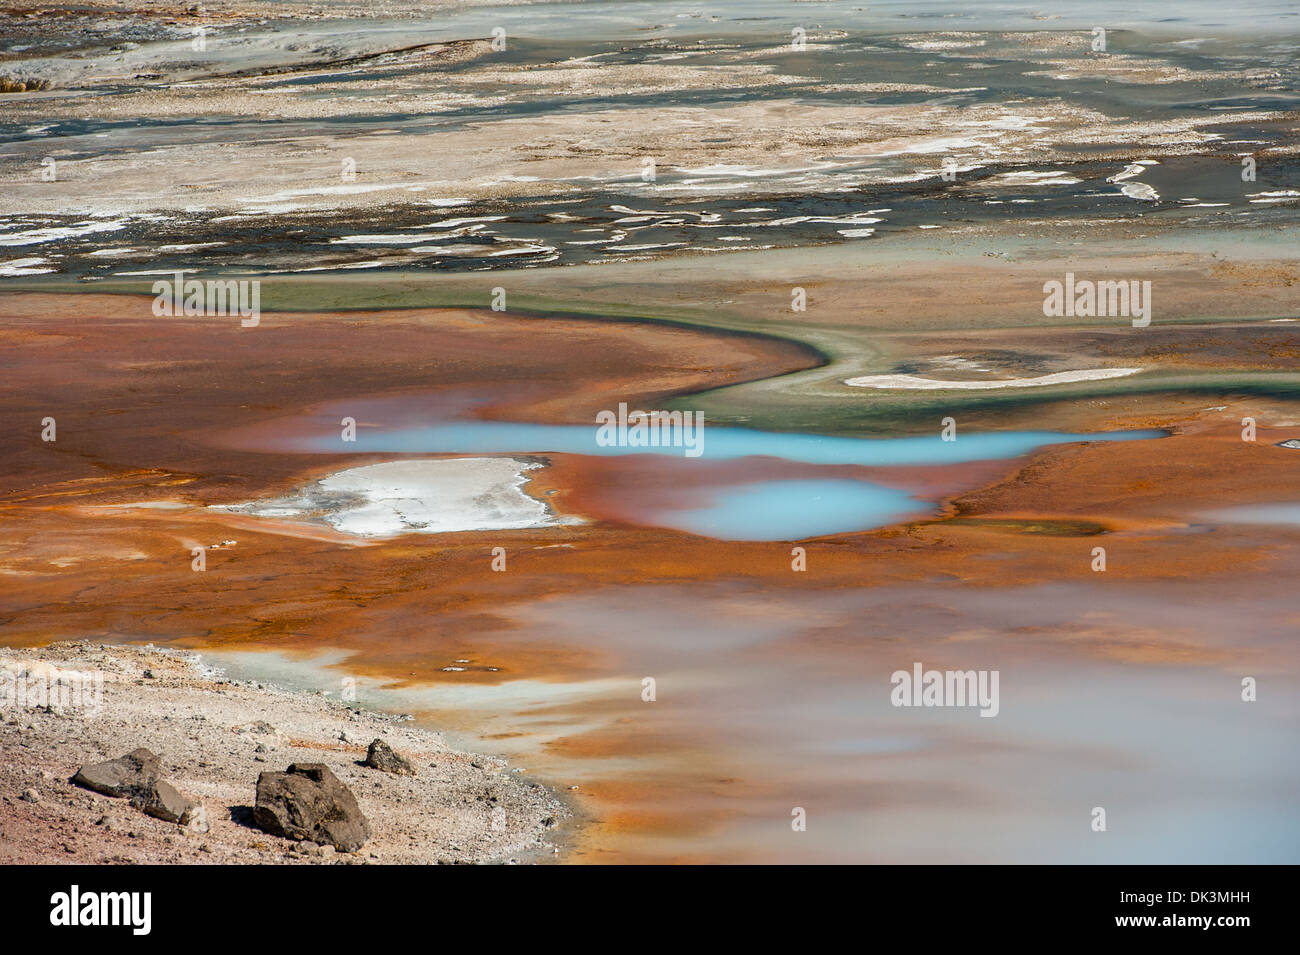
[(381, 756), (308, 801), (132, 775)]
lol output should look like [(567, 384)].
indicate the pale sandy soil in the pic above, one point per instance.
[(203, 728)]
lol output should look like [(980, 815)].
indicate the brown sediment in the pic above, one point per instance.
[(139, 391), (134, 430), (59, 366)]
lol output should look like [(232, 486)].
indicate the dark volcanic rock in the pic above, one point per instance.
[(166, 802), (381, 756), (131, 775), (309, 802)]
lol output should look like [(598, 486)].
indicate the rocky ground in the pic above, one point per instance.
[(214, 738)]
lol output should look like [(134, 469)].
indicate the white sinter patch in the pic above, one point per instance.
[(435, 496), (916, 383)]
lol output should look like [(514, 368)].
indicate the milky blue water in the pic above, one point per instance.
[(792, 510), (716, 444), (1288, 513), (784, 510)]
